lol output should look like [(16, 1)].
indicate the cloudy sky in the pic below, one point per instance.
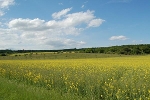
[(61, 24)]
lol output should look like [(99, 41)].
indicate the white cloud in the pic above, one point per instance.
[(27, 24), (72, 30), (58, 15), (60, 3), (64, 43), (121, 37), (7, 38), (53, 34), (66, 25), (79, 18), (1, 13), (136, 41), (4, 4), (82, 6), (95, 22)]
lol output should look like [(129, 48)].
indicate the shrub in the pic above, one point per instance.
[(3, 54)]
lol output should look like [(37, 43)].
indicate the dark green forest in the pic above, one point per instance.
[(123, 49)]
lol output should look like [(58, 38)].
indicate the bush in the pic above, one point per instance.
[(3, 54)]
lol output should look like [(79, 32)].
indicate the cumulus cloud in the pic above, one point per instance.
[(27, 24), (95, 22), (58, 15), (4, 4), (53, 34), (7, 38), (66, 25), (121, 37)]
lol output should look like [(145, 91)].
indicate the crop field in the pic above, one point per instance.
[(111, 78)]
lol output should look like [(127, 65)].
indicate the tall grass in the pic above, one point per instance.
[(122, 78), (11, 90)]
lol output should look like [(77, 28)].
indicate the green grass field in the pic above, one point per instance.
[(47, 55), (71, 76), (12, 90)]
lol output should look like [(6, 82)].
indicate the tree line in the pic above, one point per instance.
[(123, 49)]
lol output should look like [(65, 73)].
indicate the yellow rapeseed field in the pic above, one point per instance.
[(113, 78)]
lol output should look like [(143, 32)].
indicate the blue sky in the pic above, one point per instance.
[(61, 24)]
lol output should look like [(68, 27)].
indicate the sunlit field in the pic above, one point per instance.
[(112, 78)]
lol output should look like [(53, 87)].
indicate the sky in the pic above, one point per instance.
[(65, 24)]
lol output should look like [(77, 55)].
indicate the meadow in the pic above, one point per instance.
[(94, 77)]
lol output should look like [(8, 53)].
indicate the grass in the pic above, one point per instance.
[(104, 78), (47, 55), (12, 90)]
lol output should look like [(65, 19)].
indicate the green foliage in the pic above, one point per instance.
[(3, 54), (124, 49), (48, 55), (12, 90)]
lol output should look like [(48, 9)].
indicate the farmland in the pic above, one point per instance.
[(67, 77)]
